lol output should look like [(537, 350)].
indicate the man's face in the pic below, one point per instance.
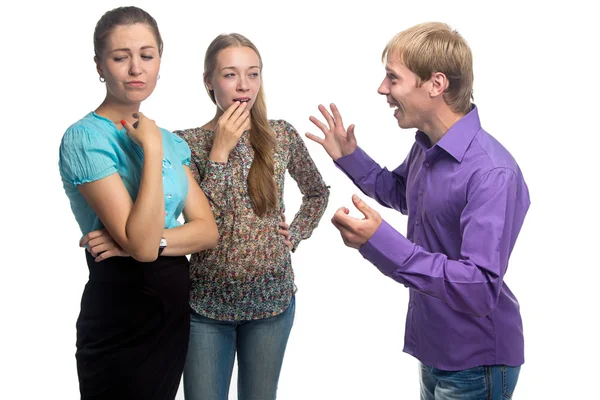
[(411, 102)]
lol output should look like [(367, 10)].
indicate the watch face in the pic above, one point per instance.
[(163, 242)]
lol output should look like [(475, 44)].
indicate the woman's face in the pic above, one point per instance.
[(130, 63), (237, 77)]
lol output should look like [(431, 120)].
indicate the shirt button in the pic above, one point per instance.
[(426, 165), (169, 196), (417, 223)]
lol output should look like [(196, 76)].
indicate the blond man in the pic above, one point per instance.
[(466, 200)]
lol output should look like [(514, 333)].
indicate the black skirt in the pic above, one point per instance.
[(133, 328)]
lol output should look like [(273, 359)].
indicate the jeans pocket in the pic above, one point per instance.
[(510, 375)]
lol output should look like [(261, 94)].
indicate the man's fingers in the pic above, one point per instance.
[(362, 206), (350, 134), (327, 116), (319, 124), (337, 116), (314, 138), (342, 218), (344, 232), (339, 226)]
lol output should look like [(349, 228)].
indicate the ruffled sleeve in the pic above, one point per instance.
[(85, 156)]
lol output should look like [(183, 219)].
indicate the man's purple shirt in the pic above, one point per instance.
[(466, 200)]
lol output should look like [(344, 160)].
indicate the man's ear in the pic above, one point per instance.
[(439, 84)]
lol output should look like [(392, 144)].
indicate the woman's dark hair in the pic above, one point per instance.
[(123, 16)]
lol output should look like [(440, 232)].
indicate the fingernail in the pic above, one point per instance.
[(123, 122)]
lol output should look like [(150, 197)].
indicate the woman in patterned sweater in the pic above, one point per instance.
[(242, 291)]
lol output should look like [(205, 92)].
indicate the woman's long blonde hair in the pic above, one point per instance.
[(262, 188)]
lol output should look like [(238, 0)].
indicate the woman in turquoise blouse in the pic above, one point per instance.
[(125, 176)]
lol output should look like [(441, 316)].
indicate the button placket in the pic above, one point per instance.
[(421, 191), (166, 165)]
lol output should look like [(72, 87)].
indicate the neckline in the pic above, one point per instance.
[(96, 115)]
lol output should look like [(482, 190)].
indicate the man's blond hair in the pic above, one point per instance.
[(435, 47)]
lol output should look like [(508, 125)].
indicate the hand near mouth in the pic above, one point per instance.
[(230, 126)]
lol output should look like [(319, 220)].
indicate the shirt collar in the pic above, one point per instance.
[(458, 138)]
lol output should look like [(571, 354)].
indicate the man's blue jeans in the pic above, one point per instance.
[(494, 382)]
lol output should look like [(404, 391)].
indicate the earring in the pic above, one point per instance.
[(158, 77), (101, 79)]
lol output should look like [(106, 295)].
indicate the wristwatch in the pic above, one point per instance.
[(163, 244)]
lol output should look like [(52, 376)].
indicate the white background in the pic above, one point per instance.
[(536, 85)]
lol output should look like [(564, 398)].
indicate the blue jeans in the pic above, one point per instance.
[(493, 382), (260, 346)]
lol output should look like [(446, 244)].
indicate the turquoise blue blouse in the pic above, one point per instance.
[(93, 148)]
